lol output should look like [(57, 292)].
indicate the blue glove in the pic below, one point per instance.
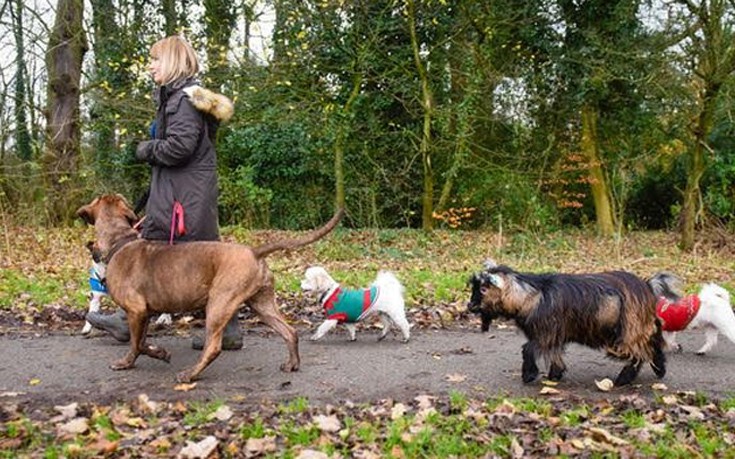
[(152, 129)]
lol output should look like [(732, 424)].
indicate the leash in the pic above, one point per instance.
[(177, 222)]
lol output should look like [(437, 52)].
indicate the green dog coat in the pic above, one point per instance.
[(347, 305)]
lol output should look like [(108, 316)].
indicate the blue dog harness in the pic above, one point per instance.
[(97, 279)]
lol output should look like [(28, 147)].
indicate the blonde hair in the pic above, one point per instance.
[(177, 58)]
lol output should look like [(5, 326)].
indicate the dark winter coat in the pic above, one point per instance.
[(184, 167)]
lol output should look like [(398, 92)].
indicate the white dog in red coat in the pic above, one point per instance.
[(349, 306), (710, 309)]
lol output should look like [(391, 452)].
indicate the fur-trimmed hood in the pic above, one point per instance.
[(217, 105)]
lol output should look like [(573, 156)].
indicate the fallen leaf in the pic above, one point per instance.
[(577, 443), (425, 401), (256, 446), (185, 387), (146, 405), (75, 426), (103, 446), (180, 407), (516, 448), (135, 422), (327, 423), (67, 411), (548, 382), (659, 386), (605, 385), (34, 382), (455, 378), (398, 410), (223, 413), (199, 450), (670, 399), (549, 391), (693, 412), (507, 408), (603, 435), (311, 454), (161, 444)]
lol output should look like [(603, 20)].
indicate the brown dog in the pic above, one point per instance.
[(145, 277)]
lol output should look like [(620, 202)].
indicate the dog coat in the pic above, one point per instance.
[(346, 305), (677, 315), (97, 279)]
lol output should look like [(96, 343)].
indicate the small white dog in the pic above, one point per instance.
[(384, 297), (711, 310)]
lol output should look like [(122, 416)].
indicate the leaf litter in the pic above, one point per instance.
[(627, 426)]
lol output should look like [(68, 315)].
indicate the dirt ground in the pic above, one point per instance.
[(59, 367)]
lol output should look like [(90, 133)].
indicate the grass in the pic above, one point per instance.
[(297, 405), (36, 290), (253, 429), (200, 413)]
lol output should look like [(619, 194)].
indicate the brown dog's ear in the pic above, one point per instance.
[(88, 213), (125, 210)]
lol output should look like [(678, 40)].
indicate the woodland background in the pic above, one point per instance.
[(510, 115)]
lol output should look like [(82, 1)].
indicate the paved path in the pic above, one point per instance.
[(58, 369)]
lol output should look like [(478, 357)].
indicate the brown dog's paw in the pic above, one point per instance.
[(158, 353), (122, 364)]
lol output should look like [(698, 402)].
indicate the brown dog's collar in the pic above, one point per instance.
[(119, 244)]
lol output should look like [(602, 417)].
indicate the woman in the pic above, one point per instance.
[(182, 202)]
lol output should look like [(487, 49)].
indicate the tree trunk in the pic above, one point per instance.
[(427, 104), (66, 47), (598, 184), (168, 9), (339, 146), (22, 135), (219, 23), (108, 74), (692, 192)]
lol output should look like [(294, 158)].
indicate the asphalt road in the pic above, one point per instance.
[(59, 369)]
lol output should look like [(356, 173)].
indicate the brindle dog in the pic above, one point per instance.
[(145, 277)]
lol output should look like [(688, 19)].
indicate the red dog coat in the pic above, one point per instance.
[(676, 316)]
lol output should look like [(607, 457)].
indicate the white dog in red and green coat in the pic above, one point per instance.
[(348, 306)]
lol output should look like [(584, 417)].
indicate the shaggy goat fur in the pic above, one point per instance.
[(614, 310)]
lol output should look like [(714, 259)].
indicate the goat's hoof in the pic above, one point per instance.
[(289, 367), (184, 377)]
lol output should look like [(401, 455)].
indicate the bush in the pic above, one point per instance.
[(241, 201)]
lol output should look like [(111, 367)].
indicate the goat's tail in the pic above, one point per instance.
[(667, 285)]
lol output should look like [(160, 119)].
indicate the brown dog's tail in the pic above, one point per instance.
[(290, 244)]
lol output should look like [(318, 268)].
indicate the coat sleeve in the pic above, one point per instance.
[(183, 131)]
